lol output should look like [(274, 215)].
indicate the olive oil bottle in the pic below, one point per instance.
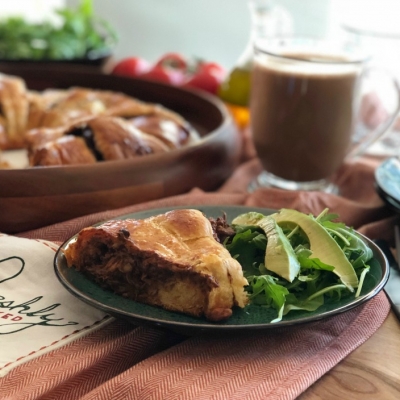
[(267, 20)]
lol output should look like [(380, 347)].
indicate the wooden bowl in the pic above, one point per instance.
[(35, 197), (94, 62)]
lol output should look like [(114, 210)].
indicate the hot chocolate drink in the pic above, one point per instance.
[(302, 114)]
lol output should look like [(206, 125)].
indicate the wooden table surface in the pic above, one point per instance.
[(371, 372)]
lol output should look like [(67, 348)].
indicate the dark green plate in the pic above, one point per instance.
[(248, 319)]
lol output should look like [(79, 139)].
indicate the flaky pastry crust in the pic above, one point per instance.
[(170, 260)]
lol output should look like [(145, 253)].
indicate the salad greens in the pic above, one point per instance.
[(79, 35), (295, 261)]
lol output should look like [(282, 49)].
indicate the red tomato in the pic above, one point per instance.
[(208, 77), (212, 68), (163, 74), (173, 60), (204, 81), (131, 66), (170, 68)]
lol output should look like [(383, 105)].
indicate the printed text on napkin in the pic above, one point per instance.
[(37, 314)]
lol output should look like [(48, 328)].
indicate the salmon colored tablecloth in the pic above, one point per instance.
[(121, 361)]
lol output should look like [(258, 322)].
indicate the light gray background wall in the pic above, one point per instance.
[(211, 29)]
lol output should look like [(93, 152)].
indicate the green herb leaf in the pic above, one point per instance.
[(79, 35)]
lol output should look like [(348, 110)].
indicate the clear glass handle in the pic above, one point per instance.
[(383, 93)]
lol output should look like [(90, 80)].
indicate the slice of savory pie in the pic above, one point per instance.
[(171, 260)]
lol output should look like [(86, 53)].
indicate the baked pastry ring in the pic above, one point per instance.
[(113, 125)]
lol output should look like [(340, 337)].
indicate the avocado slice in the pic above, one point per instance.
[(279, 256), (249, 218), (322, 245)]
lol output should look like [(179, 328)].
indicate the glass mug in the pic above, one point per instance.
[(304, 111), (380, 40)]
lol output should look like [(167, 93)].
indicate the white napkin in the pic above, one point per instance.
[(37, 314)]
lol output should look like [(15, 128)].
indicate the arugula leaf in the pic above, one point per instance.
[(293, 303), (314, 263), (248, 246), (266, 291)]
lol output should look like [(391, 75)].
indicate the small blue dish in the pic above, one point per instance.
[(387, 178)]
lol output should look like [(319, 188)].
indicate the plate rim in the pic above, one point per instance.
[(206, 326)]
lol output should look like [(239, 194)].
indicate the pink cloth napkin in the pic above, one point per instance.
[(122, 361)]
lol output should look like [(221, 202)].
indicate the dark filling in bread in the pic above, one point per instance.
[(146, 277), (221, 228), (86, 134)]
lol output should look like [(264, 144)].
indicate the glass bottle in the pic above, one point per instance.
[(267, 20)]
